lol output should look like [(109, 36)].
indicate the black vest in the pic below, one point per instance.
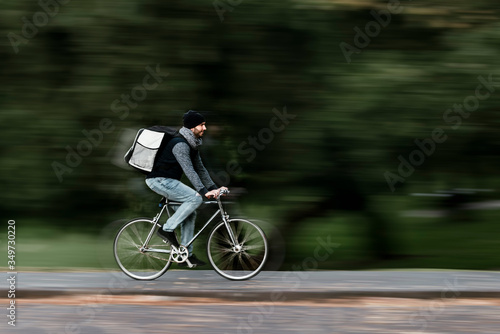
[(166, 164)]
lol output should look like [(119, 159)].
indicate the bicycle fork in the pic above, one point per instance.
[(225, 219)]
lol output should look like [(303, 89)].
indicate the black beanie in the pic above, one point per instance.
[(192, 119)]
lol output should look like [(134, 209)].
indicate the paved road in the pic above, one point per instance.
[(291, 284), (155, 314), (272, 302)]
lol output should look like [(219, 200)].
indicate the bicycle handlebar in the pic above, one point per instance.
[(223, 192)]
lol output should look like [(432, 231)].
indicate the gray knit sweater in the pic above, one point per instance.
[(194, 169)]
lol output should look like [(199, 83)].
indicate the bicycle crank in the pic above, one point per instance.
[(180, 255)]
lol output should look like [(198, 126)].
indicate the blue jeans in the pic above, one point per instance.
[(185, 214)]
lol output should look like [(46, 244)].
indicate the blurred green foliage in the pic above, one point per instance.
[(352, 120)]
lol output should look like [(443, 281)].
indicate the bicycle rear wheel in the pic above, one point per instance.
[(135, 258), (245, 258)]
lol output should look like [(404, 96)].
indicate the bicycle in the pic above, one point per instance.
[(237, 248)]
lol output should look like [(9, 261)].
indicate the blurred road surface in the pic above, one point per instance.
[(184, 301), (159, 314), (268, 285)]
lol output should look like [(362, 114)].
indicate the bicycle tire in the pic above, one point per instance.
[(242, 261), (134, 263)]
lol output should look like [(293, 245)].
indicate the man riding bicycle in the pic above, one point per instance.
[(181, 155)]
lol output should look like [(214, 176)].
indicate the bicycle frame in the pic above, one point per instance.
[(156, 219), (236, 248)]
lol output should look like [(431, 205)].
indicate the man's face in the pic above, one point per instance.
[(199, 130)]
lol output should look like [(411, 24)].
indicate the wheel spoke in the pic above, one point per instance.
[(140, 265), (240, 261), (136, 233), (243, 263), (223, 240), (247, 247), (229, 262), (250, 236), (251, 260)]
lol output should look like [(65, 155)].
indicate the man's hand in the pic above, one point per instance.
[(214, 193)]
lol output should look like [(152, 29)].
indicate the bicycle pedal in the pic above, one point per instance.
[(190, 265)]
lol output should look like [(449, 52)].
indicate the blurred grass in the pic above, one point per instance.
[(423, 243), (48, 248)]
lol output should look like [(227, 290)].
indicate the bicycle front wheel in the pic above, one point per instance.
[(242, 259), (135, 257)]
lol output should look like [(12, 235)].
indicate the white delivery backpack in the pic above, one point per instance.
[(147, 144)]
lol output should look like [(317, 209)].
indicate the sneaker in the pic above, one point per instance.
[(194, 260), (168, 236)]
